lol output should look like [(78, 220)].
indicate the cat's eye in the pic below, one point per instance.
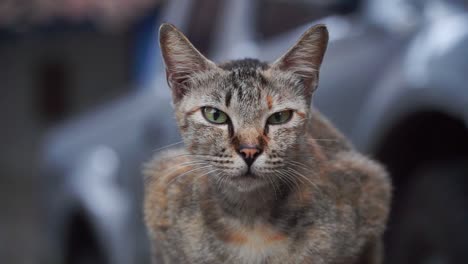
[(280, 117), (214, 115)]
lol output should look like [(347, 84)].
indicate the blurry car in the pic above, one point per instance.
[(394, 80)]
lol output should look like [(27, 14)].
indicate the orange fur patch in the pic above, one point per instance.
[(301, 114), (261, 235), (191, 111), (266, 139), (275, 238), (236, 238), (269, 101), (303, 195)]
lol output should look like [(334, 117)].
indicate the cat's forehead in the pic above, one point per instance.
[(250, 80), (244, 77), (244, 81), (247, 86)]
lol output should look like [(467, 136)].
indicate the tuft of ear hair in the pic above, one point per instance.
[(305, 56), (181, 59)]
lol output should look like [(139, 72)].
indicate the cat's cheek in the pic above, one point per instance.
[(284, 138)]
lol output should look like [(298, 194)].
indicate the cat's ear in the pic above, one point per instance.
[(181, 59), (305, 57)]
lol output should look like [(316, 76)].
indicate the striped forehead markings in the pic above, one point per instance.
[(227, 99)]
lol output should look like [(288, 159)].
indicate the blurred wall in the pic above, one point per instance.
[(47, 76)]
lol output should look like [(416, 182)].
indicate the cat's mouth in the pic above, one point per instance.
[(247, 182), (249, 174), (248, 177)]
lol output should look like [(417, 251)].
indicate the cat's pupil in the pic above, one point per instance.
[(216, 115), (278, 117)]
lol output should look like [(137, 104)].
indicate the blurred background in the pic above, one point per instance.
[(84, 103)]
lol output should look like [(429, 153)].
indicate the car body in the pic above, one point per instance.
[(393, 89)]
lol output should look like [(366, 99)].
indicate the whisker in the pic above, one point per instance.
[(187, 172), (168, 146), (296, 181), (297, 173), (223, 180), (274, 186), (183, 165), (290, 182), (207, 173), (202, 156), (326, 139), (291, 176), (297, 164), (218, 177)]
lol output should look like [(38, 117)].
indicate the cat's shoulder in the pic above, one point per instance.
[(370, 175), (366, 184)]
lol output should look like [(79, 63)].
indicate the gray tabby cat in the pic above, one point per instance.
[(264, 178)]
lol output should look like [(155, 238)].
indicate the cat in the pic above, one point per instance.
[(263, 177)]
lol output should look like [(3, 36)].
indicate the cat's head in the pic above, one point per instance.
[(243, 121)]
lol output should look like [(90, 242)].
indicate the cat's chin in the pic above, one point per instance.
[(246, 183)]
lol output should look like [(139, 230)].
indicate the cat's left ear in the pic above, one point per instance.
[(305, 57), (181, 58)]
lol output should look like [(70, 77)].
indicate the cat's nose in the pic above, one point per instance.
[(249, 153)]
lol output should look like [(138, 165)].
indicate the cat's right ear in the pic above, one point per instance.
[(181, 59)]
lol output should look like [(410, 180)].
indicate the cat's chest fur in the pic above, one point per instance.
[(191, 226), (256, 243)]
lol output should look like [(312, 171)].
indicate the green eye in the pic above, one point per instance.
[(214, 115), (280, 117)]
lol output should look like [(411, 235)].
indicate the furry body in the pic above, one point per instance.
[(309, 197)]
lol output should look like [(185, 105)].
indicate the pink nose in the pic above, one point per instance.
[(249, 153)]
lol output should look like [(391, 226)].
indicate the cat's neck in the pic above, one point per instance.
[(252, 205)]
